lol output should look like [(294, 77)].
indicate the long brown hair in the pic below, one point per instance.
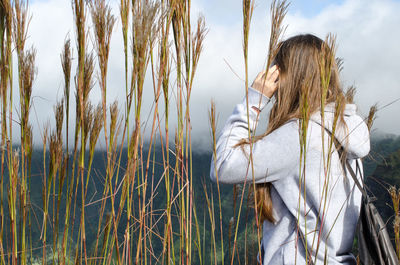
[(305, 63)]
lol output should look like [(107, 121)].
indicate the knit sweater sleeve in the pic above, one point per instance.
[(273, 157)]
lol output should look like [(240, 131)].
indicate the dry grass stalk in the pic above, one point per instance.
[(26, 74), (327, 62), (83, 87), (12, 204), (5, 83), (278, 11), (56, 160), (395, 196), (124, 13), (103, 22), (351, 91), (144, 18), (146, 26), (66, 60), (109, 172), (212, 120)]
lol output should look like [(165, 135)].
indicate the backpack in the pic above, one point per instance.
[(374, 245)]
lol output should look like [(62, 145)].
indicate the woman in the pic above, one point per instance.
[(308, 204)]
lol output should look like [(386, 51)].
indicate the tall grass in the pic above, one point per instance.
[(145, 211), (128, 222)]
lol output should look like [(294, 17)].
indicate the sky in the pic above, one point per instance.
[(367, 35)]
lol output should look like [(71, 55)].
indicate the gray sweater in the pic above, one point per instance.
[(321, 197)]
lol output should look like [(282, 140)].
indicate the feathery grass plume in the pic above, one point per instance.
[(351, 91), (371, 116), (87, 123), (66, 60), (247, 8), (55, 159), (88, 81), (114, 118), (96, 127), (94, 131), (339, 64), (56, 154), (59, 115), (20, 26), (27, 76), (103, 22), (124, 13), (93, 123), (278, 12), (197, 47), (144, 27)]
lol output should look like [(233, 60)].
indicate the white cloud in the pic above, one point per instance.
[(366, 33), (367, 41)]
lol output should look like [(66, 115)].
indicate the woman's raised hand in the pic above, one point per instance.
[(267, 83)]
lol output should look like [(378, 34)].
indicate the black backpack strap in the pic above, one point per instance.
[(354, 176)]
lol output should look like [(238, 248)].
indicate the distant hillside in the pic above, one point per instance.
[(381, 148), (382, 169), (385, 162)]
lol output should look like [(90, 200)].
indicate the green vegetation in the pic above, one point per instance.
[(386, 173)]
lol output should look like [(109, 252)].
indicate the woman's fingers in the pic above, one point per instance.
[(267, 82), (260, 75), (272, 75), (275, 75)]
